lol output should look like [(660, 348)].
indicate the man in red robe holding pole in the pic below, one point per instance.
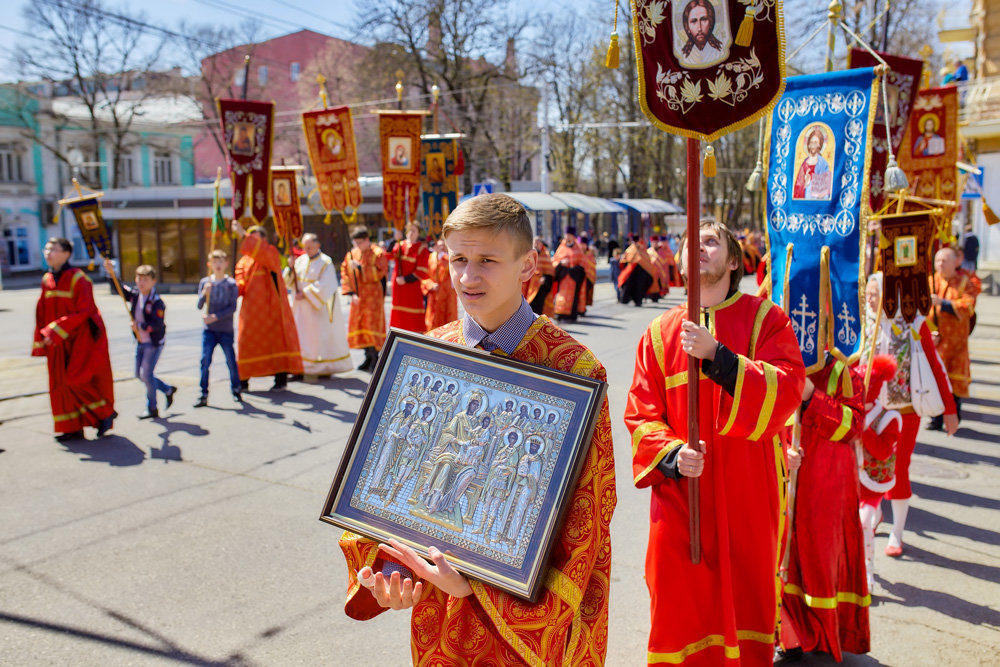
[(70, 334), (411, 267), (458, 621), (267, 342), (717, 604)]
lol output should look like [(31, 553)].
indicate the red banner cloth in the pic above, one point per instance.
[(247, 130), (399, 133), (901, 88), (906, 260), (930, 145), (695, 77), (333, 154), (285, 203)]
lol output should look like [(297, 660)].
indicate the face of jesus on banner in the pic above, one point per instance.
[(930, 142), (814, 160), (701, 33)]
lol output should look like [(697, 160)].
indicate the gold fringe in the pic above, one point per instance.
[(708, 167), (611, 59), (745, 33), (785, 291), (825, 333)]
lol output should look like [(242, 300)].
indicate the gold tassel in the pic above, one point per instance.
[(708, 167), (745, 33), (991, 217), (90, 267), (328, 218), (611, 60)]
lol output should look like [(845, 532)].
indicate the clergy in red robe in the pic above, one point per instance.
[(661, 282), (589, 273), (442, 302), (825, 598), (70, 334), (457, 621), (361, 274), (570, 278), (722, 611), (538, 290), (667, 258), (637, 275), (410, 258), (267, 342)]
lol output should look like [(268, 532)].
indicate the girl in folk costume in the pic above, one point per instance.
[(442, 301), (411, 267), (899, 338), (877, 468)]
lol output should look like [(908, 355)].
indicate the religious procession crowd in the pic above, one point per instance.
[(817, 567)]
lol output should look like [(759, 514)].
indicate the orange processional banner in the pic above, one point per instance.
[(900, 83), (439, 179), (333, 154), (93, 229), (930, 145), (285, 203), (247, 129), (399, 134), (905, 249), (708, 67)]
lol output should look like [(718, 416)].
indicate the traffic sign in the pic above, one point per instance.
[(482, 189)]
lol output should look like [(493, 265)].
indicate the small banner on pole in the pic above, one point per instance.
[(285, 203), (708, 67), (333, 154), (399, 133), (93, 229), (247, 129), (817, 180), (905, 247), (438, 179), (930, 145), (901, 88)]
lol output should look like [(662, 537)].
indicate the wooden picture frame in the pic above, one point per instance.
[(487, 483)]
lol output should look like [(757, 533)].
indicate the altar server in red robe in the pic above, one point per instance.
[(538, 290), (825, 599), (458, 621), (410, 268), (267, 342), (570, 278), (70, 334), (722, 611), (361, 279), (442, 302)]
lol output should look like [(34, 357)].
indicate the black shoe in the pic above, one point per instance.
[(237, 397), (781, 656), (244, 385), (170, 396), (106, 424), (67, 437), (202, 402), (295, 377), (935, 424), (150, 414), (278, 387)]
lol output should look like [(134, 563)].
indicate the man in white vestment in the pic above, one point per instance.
[(316, 306)]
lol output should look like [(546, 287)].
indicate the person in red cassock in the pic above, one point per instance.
[(70, 334), (570, 278), (411, 259), (723, 610), (825, 598)]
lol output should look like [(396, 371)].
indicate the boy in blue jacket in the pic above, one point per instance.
[(148, 310), (219, 293)]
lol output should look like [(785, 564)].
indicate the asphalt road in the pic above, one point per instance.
[(194, 539)]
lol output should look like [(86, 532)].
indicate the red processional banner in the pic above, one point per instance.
[(333, 154), (90, 221), (906, 247), (399, 132), (901, 84), (247, 129), (930, 145), (285, 202), (708, 67)]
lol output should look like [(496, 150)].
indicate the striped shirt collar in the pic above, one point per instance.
[(507, 337)]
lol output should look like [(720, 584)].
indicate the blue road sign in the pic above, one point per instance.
[(482, 189)]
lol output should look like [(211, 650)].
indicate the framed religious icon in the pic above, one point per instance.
[(906, 251), (477, 455), (400, 150)]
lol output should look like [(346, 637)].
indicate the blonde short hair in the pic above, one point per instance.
[(218, 253), (145, 270), (495, 213)]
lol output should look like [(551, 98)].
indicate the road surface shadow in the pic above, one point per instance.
[(947, 495), (944, 603), (955, 455), (115, 450), (988, 573), (310, 403), (972, 400), (922, 522), (353, 386)]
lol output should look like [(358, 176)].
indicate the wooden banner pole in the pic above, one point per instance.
[(694, 364)]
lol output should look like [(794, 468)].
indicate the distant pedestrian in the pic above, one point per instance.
[(70, 334), (150, 328), (218, 294), (970, 250)]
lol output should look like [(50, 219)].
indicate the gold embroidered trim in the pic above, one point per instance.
[(770, 396), (643, 430)]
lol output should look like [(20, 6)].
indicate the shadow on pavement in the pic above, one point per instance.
[(972, 400), (352, 386), (922, 522), (114, 450), (946, 495), (989, 573), (169, 651), (311, 403), (957, 455), (944, 603)]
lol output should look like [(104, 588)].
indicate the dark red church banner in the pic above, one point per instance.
[(247, 128)]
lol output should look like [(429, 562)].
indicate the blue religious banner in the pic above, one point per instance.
[(438, 178), (818, 168)]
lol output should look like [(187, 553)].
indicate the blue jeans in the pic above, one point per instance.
[(146, 356), (209, 339)]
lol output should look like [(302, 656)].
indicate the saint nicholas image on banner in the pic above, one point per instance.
[(814, 155), (705, 37)]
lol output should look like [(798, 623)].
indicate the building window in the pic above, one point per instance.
[(11, 169), (294, 71), (126, 170), (163, 169), (239, 77), (16, 243), (262, 75)]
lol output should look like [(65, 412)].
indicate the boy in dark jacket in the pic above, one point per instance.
[(149, 328)]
